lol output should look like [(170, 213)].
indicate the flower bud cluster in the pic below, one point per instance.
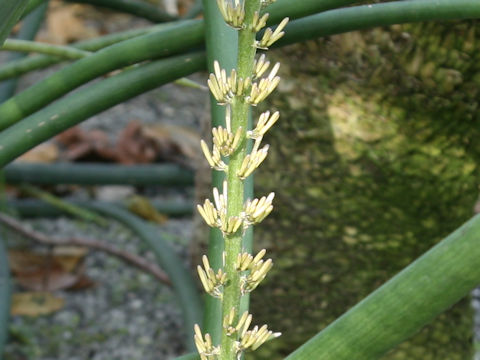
[(248, 339), (230, 89), (256, 267)]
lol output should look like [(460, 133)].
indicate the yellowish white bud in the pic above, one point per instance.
[(224, 88), (214, 215), (258, 271), (233, 12), (215, 158), (265, 122), (258, 209), (226, 141), (246, 261), (221, 199), (264, 87), (217, 82), (237, 86), (209, 213), (252, 161), (270, 36), (259, 22), (260, 66), (230, 225), (212, 282), (254, 338), (205, 346)]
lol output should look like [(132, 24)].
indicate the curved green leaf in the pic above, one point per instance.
[(89, 101), (368, 16), (10, 12), (406, 303)]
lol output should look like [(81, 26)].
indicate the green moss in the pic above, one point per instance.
[(375, 159)]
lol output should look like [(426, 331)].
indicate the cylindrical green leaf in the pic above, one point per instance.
[(128, 52), (368, 16), (98, 174), (89, 101), (20, 67), (38, 208), (406, 303), (29, 29), (10, 12), (135, 7), (66, 52)]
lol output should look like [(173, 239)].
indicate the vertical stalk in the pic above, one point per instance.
[(235, 186), (241, 272), (222, 44)]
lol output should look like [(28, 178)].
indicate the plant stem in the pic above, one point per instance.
[(66, 52), (235, 197), (222, 44)]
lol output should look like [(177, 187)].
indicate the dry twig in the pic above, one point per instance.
[(132, 259)]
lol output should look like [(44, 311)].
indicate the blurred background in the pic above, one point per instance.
[(373, 161)]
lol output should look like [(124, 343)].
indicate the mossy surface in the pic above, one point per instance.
[(374, 160)]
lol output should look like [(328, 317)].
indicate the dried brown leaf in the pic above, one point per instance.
[(35, 303)]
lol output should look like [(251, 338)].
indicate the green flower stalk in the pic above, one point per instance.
[(247, 85)]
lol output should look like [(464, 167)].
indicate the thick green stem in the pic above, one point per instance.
[(222, 43), (65, 52), (235, 197)]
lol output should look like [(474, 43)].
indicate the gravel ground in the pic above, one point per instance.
[(127, 315)]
